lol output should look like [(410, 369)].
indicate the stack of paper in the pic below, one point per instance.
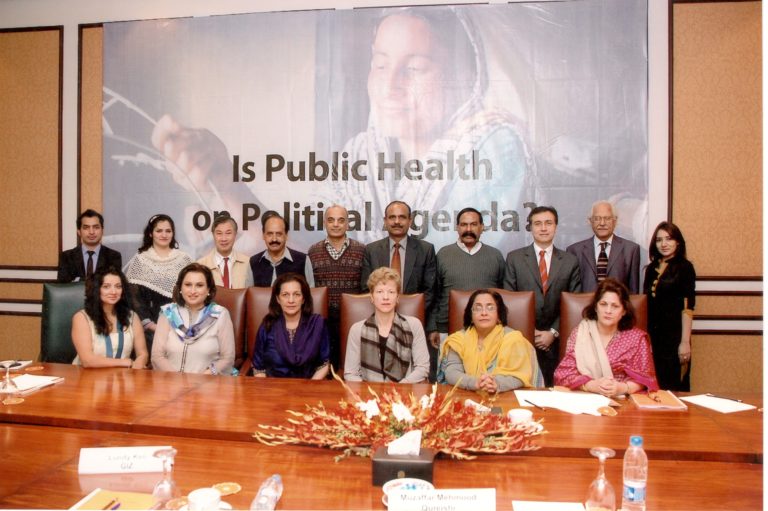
[(571, 402), (720, 404), (29, 383)]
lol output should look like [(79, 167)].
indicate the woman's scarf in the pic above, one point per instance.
[(190, 334), (496, 357), (591, 357), (397, 354), (305, 347), (157, 273)]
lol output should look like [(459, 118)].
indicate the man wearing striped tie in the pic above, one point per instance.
[(605, 254), (547, 271)]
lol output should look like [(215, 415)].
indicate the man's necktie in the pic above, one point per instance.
[(89, 265), (602, 262), (395, 265), (543, 271), (225, 276)]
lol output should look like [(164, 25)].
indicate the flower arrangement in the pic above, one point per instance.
[(361, 426)]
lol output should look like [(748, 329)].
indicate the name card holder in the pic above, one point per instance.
[(120, 460), (469, 499)]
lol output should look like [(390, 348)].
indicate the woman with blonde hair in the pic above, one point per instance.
[(387, 346)]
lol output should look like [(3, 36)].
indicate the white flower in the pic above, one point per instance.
[(402, 413), (370, 407)]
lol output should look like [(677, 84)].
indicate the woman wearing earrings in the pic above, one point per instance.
[(153, 271), (194, 334), (487, 355), (291, 341), (670, 283), (106, 332)]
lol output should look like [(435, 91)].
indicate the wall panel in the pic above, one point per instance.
[(30, 142)]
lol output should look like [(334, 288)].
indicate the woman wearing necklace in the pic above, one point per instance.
[(487, 355), (670, 283), (606, 353), (387, 346), (291, 341), (153, 271), (107, 330), (194, 334)]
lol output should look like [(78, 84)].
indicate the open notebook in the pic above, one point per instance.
[(658, 400)]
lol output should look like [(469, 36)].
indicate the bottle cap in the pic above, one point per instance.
[(636, 441)]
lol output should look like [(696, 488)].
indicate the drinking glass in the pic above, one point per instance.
[(166, 489), (8, 383), (600, 496)]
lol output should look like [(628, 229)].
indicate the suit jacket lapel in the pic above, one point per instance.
[(410, 261), (554, 264), (590, 249), (532, 258), (616, 248)]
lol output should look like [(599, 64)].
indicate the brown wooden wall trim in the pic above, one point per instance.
[(729, 293), (728, 317), (24, 314), (727, 332), (723, 278)]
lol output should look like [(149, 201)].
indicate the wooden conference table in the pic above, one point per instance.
[(700, 459)]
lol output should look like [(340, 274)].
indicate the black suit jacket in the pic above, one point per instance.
[(623, 263), (419, 268), (72, 267), (522, 274)]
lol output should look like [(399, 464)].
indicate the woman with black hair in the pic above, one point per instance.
[(670, 283), (107, 331), (194, 334), (292, 342), (153, 271), (487, 355)]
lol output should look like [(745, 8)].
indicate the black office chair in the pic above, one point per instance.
[(60, 302)]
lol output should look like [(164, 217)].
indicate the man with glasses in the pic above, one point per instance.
[(605, 254), (547, 271), (465, 265)]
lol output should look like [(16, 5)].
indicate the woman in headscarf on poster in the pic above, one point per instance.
[(427, 88)]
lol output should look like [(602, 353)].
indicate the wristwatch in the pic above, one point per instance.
[(555, 333)]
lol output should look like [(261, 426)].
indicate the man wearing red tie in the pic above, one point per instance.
[(89, 255), (547, 271), (230, 269)]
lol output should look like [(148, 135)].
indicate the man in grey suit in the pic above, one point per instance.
[(605, 254), (414, 258), (547, 271)]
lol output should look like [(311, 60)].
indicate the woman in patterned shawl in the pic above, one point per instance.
[(606, 353)]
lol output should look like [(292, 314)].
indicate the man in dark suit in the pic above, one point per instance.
[(90, 255), (547, 271), (415, 258), (605, 254)]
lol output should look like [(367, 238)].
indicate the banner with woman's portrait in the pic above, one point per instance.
[(500, 107)]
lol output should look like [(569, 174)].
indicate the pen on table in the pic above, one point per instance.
[(116, 506), (723, 397), (110, 504), (534, 404)]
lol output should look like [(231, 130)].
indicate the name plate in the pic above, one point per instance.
[(120, 460), (470, 499)]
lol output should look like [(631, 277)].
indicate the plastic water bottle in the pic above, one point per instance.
[(635, 475), (269, 493)]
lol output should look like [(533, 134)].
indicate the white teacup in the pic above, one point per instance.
[(520, 415), (204, 499)]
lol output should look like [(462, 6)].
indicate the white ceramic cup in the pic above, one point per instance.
[(520, 415), (204, 499)]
